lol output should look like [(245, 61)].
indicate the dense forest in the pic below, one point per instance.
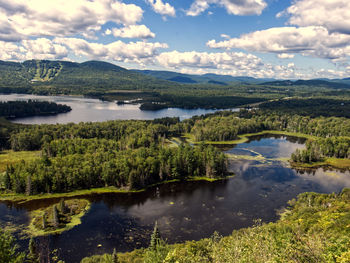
[(17, 109), (310, 107), (317, 150), (227, 126)]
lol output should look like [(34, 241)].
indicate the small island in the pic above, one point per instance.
[(20, 109), (57, 218)]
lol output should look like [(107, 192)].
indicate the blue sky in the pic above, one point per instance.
[(258, 38)]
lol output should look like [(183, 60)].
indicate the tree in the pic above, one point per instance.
[(44, 220), (29, 185), (63, 207), (155, 237), (8, 249), (33, 256), (115, 256), (55, 216)]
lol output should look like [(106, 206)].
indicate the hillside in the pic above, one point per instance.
[(45, 76)]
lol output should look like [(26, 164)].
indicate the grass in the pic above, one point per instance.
[(333, 162), (76, 209), (10, 158)]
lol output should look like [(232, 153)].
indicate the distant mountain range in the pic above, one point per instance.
[(206, 78), (104, 76)]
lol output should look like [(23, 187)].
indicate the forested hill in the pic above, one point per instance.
[(70, 77)]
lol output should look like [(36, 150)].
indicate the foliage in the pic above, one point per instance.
[(8, 249), (317, 150), (16, 109), (82, 168)]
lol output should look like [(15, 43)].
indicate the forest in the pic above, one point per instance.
[(18, 109)]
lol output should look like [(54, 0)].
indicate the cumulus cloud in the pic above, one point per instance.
[(285, 55), (164, 9), (138, 52), (331, 14), (27, 18), (225, 63), (313, 40), (225, 60), (40, 48), (233, 7), (43, 48), (131, 31)]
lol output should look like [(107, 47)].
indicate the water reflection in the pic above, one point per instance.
[(193, 210), (92, 110)]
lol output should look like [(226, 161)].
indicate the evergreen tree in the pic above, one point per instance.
[(44, 220), (29, 185), (155, 237), (55, 216), (33, 256), (63, 207), (115, 256)]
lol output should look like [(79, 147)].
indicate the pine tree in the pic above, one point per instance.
[(7, 179), (33, 256), (55, 216), (44, 220), (115, 256), (155, 237), (29, 185), (63, 207)]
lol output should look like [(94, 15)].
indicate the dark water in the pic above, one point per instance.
[(85, 110), (192, 210)]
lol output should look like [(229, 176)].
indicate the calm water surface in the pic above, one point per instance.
[(86, 110), (185, 211)]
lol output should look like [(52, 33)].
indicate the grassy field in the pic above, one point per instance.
[(10, 158)]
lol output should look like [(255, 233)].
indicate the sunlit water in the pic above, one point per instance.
[(92, 110), (193, 210)]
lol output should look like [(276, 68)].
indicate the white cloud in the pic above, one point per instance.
[(164, 9), (309, 41), (138, 52), (27, 18), (225, 60), (331, 14), (132, 31), (233, 7), (285, 55), (225, 36), (40, 48), (43, 48)]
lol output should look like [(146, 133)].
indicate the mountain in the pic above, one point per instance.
[(205, 78), (312, 82), (72, 78)]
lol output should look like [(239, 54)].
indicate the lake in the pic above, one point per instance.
[(263, 184), (92, 110)]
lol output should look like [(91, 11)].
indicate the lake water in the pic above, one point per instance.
[(92, 110), (190, 210)]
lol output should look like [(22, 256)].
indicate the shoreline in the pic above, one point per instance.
[(242, 138), (22, 198)]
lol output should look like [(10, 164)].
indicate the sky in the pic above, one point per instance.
[(284, 39)]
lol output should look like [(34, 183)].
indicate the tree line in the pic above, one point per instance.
[(87, 163), (16, 109), (317, 150)]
